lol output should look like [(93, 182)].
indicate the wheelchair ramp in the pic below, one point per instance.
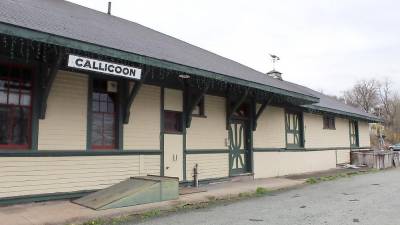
[(132, 191)]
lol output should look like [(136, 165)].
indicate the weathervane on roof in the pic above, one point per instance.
[(274, 59), (273, 73)]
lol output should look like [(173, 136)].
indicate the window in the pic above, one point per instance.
[(103, 116), (172, 122), (354, 141), (294, 129), (199, 109), (329, 122), (15, 107)]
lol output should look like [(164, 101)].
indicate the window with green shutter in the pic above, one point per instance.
[(294, 129), (354, 139)]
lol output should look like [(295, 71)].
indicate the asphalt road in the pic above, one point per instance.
[(365, 199)]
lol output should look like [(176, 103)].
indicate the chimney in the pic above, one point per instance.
[(109, 8), (275, 74)]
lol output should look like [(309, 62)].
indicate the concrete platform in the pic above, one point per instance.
[(64, 212)]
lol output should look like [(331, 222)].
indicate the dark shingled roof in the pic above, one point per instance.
[(330, 104), (69, 20)]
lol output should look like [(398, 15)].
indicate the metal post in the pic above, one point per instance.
[(196, 176)]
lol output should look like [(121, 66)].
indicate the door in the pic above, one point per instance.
[(238, 147), (173, 158)]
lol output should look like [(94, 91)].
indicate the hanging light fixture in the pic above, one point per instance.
[(184, 76)]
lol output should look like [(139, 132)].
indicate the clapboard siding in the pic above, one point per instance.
[(40, 175), (210, 132), (209, 165), (270, 131), (364, 136), (272, 164), (317, 137), (65, 125), (143, 130), (343, 156), (173, 100)]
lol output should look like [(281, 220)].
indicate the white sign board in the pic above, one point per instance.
[(99, 66)]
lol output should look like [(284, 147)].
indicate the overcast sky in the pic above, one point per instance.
[(325, 45)]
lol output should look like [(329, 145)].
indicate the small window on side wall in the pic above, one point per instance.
[(329, 122), (172, 122)]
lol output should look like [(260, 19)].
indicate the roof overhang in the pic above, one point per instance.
[(39, 36), (370, 119)]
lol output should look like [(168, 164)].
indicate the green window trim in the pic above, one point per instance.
[(354, 134), (119, 113), (329, 122), (294, 129)]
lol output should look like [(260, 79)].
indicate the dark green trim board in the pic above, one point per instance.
[(120, 114), (206, 151), (162, 92), (13, 30), (58, 153), (185, 117), (35, 111), (305, 149), (89, 113), (250, 137)]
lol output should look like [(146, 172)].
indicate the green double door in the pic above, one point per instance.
[(239, 151)]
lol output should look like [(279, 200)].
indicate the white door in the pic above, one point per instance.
[(173, 157)]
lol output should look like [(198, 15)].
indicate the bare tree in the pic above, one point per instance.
[(364, 94), (381, 99), (388, 102)]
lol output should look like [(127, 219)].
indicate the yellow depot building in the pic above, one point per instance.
[(88, 99)]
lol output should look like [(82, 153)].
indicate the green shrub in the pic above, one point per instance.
[(261, 191)]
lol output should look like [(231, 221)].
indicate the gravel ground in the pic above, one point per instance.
[(365, 199)]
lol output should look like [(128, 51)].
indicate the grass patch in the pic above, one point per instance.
[(312, 180), (245, 195), (95, 222), (150, 214), (315, 180), (111, 221), (262, 191)]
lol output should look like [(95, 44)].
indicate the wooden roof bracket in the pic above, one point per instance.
[(230, 110), (48, 77), (132, 95), (192, 104), (261, 110)]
